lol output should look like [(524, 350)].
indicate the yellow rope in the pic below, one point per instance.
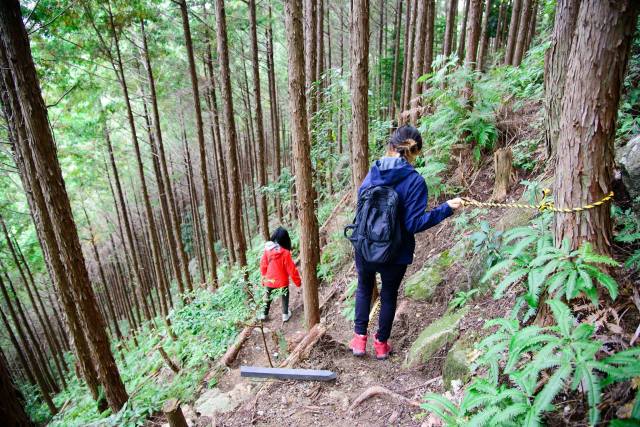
[(542, 207), (376, 309)]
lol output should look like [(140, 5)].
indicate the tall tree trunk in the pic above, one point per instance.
[(430, 37), (532, 25), (208, 207), (396, 60), (169, 202), (523, 29), (556, 60), (231, 136), (473, 33), (450, 27), (36, 367), (416, 58), (103, 278), (408, 55), (19, 352), (463, 33), (12, 411), (260, 142), (516, 8), (596, 68), (484, 36), (133, 253), (310, 45), (41, 148), (309, 239), (500, 24), (273, 109), (359, 60)]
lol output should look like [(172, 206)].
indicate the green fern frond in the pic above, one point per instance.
[(562, 315), (510, 414), (553, 386), (509, 280), (495, 269)]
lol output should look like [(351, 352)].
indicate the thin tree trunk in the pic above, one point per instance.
[(523, 28), (359, 60), (396, 60), (273, 103), (473, 33), (450, 28), (309, 239), (12, 411), (408, 57), (430, 37), (513, 31), (416, 58), (463, 33), (484, 35), (584, 172), (170, 200), (19, 352), (208, 208), (231, 136), (310, 45)]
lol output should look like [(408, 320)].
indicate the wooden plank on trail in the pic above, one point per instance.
[(287, 373)]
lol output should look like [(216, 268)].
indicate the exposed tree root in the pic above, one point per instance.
[(302, 350), (231, 353), (377, 390)]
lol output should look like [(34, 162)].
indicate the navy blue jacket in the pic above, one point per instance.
[(412, 189)]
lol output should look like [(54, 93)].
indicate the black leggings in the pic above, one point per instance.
[(285, 300), (391, 276)]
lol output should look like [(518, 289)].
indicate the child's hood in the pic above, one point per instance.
[(273, 250)]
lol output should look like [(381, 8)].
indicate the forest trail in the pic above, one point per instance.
[(316, 403)]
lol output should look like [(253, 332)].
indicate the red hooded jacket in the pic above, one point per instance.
[(276, 267)]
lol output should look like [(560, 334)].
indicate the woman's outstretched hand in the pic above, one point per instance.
[(455, 203)]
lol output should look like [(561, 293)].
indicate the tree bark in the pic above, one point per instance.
[(309, 239), (523, 29), (450, 28), (503, 168), (416, 58), (169, 204), (310, 45), (41, 147), (473, 33), (408, 56), (359, 59), (596, 68), (232, 139), (12, 411), (484, 36), (273, 109), (462, 43), (208, 207), (396, 60), (556, 59), (513, 31), (430, 37), (260, 140)]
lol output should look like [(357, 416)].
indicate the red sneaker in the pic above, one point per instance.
[(382, 349), (359, 345)]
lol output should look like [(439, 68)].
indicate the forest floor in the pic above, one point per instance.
[(336, 403)]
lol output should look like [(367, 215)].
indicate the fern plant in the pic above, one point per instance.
[(562, 272), (566, 352), (629, 233), (462, 298)]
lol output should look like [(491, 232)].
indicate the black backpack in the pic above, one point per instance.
[(377, 234)]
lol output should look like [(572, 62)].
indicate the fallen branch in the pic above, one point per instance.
[(302, 350), (174, 414), (231, 353), (174, 367), (335, 210), (377, 390)]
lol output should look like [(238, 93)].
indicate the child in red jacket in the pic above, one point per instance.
[(276, 267)]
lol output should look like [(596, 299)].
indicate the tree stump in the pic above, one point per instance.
[(174, 414), (503, 166)]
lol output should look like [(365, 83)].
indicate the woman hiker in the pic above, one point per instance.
[(276, 268), (392, 201)]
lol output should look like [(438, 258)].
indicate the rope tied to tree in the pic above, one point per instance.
[(544, 206)]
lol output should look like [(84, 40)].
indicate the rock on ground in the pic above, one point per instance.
[(435, 336)]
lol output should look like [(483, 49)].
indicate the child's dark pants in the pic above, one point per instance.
[(391, 276), (285, 300)]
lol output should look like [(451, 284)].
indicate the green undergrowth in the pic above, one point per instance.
[(204, 329), (523, 372)]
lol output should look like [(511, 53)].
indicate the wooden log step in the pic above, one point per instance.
[(287, 373)]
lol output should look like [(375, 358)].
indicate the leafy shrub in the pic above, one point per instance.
[(565, 352), (462, 298)]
